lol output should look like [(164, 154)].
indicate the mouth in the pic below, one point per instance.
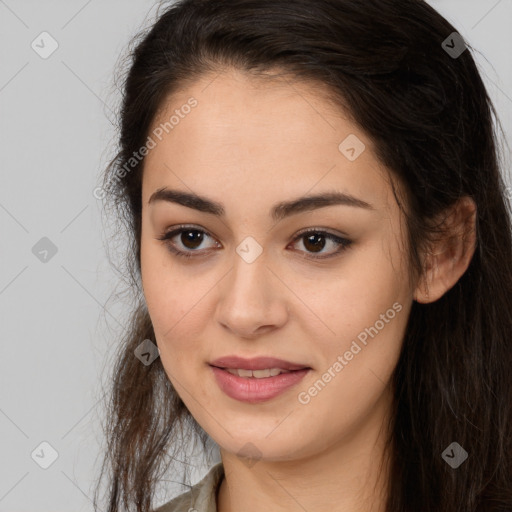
[(258, 374), (256, 386), (259, 367)]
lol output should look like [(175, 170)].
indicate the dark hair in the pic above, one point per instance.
[(431, 121)]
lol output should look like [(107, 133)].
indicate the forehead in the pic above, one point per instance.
[(254, 139)]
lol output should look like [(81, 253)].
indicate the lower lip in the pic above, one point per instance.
[(254, 390)]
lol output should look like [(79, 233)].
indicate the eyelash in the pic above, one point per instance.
[(344, 243)]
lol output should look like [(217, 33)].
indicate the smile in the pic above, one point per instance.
[(255, 386)]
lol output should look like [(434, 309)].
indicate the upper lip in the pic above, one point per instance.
[(256, 363)]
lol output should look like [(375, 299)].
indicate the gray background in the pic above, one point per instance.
[(57, 134)]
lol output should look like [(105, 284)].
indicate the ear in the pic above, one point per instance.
[(449, 258)]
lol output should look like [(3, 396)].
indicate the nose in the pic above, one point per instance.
[(252, 300)]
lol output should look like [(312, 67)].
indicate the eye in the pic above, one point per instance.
[(190, 238), (314, 239)]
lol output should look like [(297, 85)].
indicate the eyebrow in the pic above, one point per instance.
[(279, 211)]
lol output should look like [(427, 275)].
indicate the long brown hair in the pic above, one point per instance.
[(430, 117)]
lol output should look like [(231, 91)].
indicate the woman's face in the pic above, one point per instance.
[(253, 287)]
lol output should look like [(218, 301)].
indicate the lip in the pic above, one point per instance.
[(256, 363), (254, 390)]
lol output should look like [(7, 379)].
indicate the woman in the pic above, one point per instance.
[(322, 241)]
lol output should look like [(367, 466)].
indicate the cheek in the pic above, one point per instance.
[(355, 364), (354, 296), (162, 290), (155, 276), (176, 305), (364, 313)]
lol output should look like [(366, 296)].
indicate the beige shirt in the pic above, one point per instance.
[(202, 497)]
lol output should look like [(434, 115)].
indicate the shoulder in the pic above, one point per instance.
[(201, 497)]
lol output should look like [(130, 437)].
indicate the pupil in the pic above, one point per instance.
[(315, 238), (188, 237)]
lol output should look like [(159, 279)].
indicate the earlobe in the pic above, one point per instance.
[(449, 257)]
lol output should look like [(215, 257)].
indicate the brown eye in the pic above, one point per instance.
[(315, 241), (190, 239)]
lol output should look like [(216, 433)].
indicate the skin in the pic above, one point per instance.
[(250, 144)]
